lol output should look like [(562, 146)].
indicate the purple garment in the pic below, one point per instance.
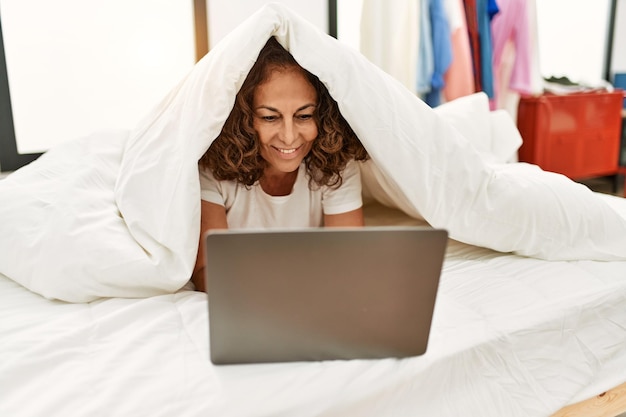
[(512, 25)]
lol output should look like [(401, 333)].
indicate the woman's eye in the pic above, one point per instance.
[(269, 118), (305, 116)]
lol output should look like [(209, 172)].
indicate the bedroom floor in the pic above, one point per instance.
[(607, 185)]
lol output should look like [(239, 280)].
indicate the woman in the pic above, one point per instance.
[(284, 158)]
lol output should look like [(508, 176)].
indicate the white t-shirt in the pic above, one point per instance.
[(253, 208)]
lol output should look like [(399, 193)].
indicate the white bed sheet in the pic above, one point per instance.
[(511, 336)]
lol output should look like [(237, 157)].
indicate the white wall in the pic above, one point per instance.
[(572, 38), (78, 65)]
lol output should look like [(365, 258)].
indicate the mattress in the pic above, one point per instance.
[(511, 335)]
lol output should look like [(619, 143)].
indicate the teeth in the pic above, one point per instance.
[(287, 150)]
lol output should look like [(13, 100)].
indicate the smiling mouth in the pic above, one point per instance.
[(287, 151)]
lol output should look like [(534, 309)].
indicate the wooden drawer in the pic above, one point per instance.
[(577, 135)]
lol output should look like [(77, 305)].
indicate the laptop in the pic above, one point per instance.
[(321, 293)]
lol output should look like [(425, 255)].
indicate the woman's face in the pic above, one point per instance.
[(284, 108)]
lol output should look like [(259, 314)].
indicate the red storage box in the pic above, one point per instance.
[(577, 134)]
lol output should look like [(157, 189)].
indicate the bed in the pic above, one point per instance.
[(511, 336), (99, 237)]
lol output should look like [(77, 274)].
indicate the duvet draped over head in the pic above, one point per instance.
[(116, 214)]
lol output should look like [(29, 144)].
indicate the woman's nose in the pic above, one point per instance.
[(289, 133)]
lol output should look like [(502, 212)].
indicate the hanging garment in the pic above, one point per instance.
[(442, 50), (511, 51), (459, 78), (486, 47), (471, 15), (492, 8), (536, 79), (425, 61), (390, 37)]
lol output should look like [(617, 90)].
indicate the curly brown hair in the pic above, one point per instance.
[(235, 154)]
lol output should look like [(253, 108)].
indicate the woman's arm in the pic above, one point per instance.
[(347, 219), (212, 216)]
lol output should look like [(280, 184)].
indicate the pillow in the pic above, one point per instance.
[(470, 115), (505, 137), (493, 133)]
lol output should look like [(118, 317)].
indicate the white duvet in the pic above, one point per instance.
[(116, 214)]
